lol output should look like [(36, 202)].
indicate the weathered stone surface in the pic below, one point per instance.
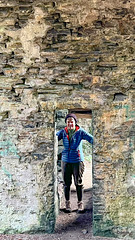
[(58, 55)]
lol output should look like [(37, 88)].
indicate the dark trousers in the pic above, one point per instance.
[(75, 169)]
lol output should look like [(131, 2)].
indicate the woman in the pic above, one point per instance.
[(72, 157)]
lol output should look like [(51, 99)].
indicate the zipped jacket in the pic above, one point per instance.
[(72, 152)]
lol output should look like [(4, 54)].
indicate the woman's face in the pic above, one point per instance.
[(70, 123)]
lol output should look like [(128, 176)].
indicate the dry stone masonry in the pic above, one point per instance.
[(58, 55)]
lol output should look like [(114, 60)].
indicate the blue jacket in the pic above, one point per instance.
[(72, 152)]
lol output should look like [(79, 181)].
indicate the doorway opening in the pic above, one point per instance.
[(84, 117)]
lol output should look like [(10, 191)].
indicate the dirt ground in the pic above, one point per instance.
[(72, 225)]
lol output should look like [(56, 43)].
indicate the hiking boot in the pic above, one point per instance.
[(80, 207), (68, 208)]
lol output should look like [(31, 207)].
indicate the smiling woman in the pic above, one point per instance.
[(72, 158)]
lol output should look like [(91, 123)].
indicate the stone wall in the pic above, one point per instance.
[(65, 55)]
